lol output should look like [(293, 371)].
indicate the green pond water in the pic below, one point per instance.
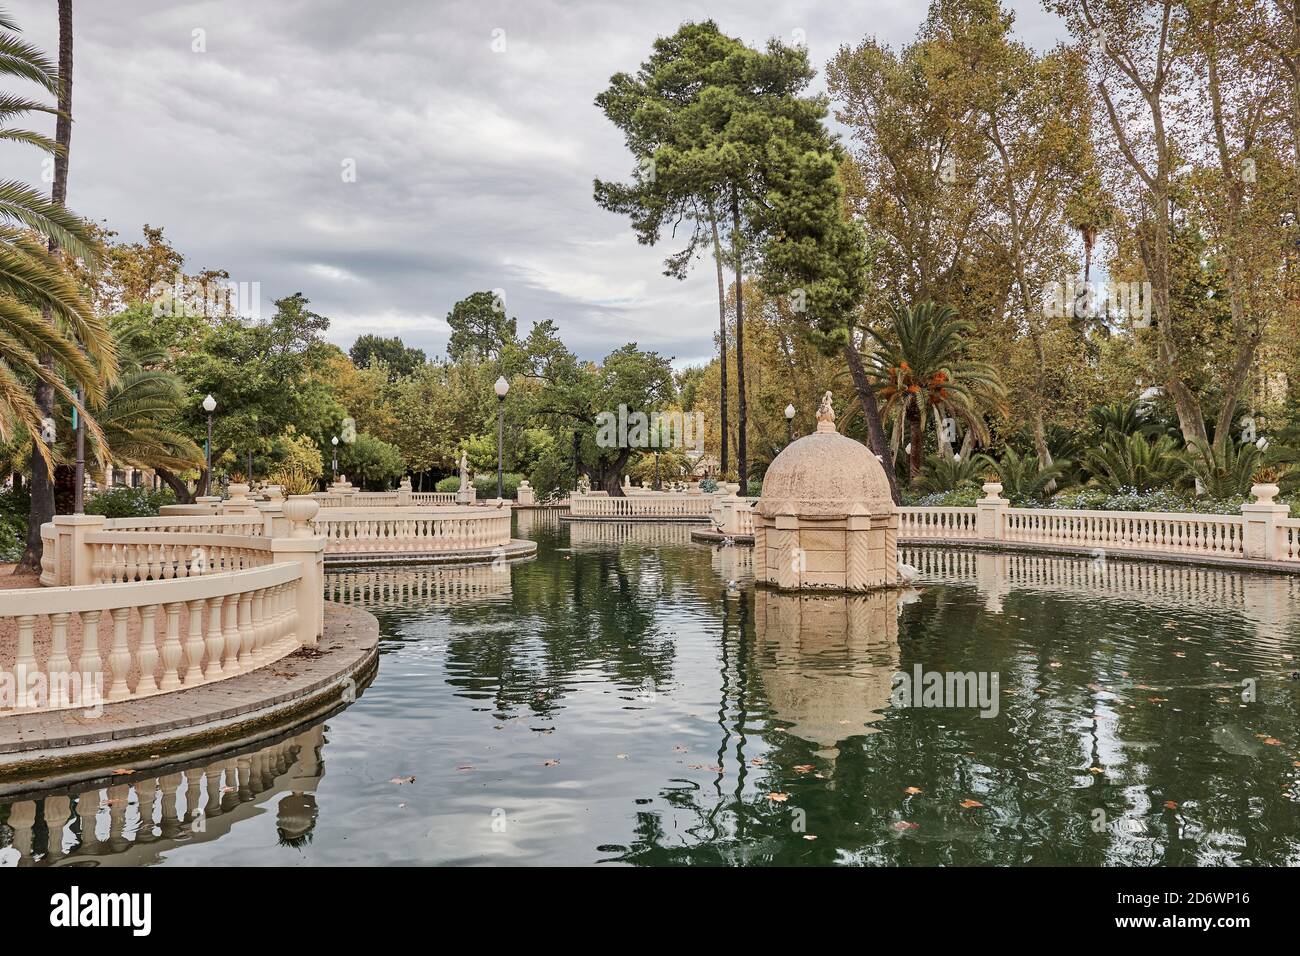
[(629, 697)]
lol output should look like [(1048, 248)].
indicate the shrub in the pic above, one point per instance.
[(960, 498), (128, 502), (15, 503), (1227, 472), (451, 483), (1134, 462), (950, 472), (485, 486), (708, 485), (755, 489)]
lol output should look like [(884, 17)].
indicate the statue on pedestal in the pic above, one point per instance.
[(464, 493)]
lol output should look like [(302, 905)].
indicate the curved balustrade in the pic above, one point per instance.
[(160, 635), (120, 556), (656, 507), (412, 530), (198, 524)]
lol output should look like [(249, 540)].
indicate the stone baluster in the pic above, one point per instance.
[(215, 643), (119, 658), (147, 654), (89, 662), (194, 645), (172, 650)]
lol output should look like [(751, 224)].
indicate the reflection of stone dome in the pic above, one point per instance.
[(827, 661), (825, 474)]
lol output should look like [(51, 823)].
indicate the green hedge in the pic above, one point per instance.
[(485, 487)]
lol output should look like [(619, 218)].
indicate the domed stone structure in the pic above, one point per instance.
[(826, 518)]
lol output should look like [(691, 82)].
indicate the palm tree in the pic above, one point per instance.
[(1024, 479), (43, 315), (923, 372), (1131, 462), (1124, 418), (951, 472), (138, 418), (1223, 473)]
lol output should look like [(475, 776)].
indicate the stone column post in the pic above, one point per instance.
[(307, 548), (991, 520), (73, 560), (1260, 523)]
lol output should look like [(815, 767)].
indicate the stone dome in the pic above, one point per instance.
[(825, 474)]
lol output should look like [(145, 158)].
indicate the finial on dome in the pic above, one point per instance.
[(826, 415)]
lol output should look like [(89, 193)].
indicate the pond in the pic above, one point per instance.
[(628, 697)]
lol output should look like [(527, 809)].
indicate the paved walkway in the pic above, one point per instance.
[(55, 747)]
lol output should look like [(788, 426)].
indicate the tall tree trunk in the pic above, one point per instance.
[(722, 335), (916, 445), (876, 440), (742, 448), (42, 509)]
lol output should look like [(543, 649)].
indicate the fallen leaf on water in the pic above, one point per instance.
[(809, 836), (401, 780), (758, 761), (464, 768), (621, 756), (778, 797), (549, 763), (680, 749), (1054, 664), (803, 768), (969, 804), (1170, 805), (1272, 741), (913, 790), (1096, 770), (122, 771), (906, 825)]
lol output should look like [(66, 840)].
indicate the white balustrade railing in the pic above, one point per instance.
[(412, 530), (123, 556), (948, 523), (1259, 533), (80, 646), (433, 497), (1140, 531), (241, 524), (673, 507)]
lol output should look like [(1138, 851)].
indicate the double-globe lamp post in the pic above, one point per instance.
[(501, 387), (334, 472), (209, 406)]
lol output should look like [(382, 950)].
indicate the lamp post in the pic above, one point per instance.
[(789, 424), (334, 471), (209, 406), (501, 387), (79, 489)]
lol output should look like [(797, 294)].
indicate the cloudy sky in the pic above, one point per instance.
[(470, 126)]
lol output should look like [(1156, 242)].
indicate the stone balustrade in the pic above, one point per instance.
[(1262, 532), (656, 507), (356, 532), (124, 556), (81, 646)]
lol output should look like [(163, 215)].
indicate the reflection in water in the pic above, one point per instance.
[(601, 534), (630, 697), (826, 661), (417, 586), (136, 821)]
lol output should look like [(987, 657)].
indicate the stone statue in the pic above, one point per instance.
[(826, 415), (464, 493)]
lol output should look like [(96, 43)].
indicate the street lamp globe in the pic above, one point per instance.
[(335, 441), (501, 387), (209, 404), (789, 413)]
